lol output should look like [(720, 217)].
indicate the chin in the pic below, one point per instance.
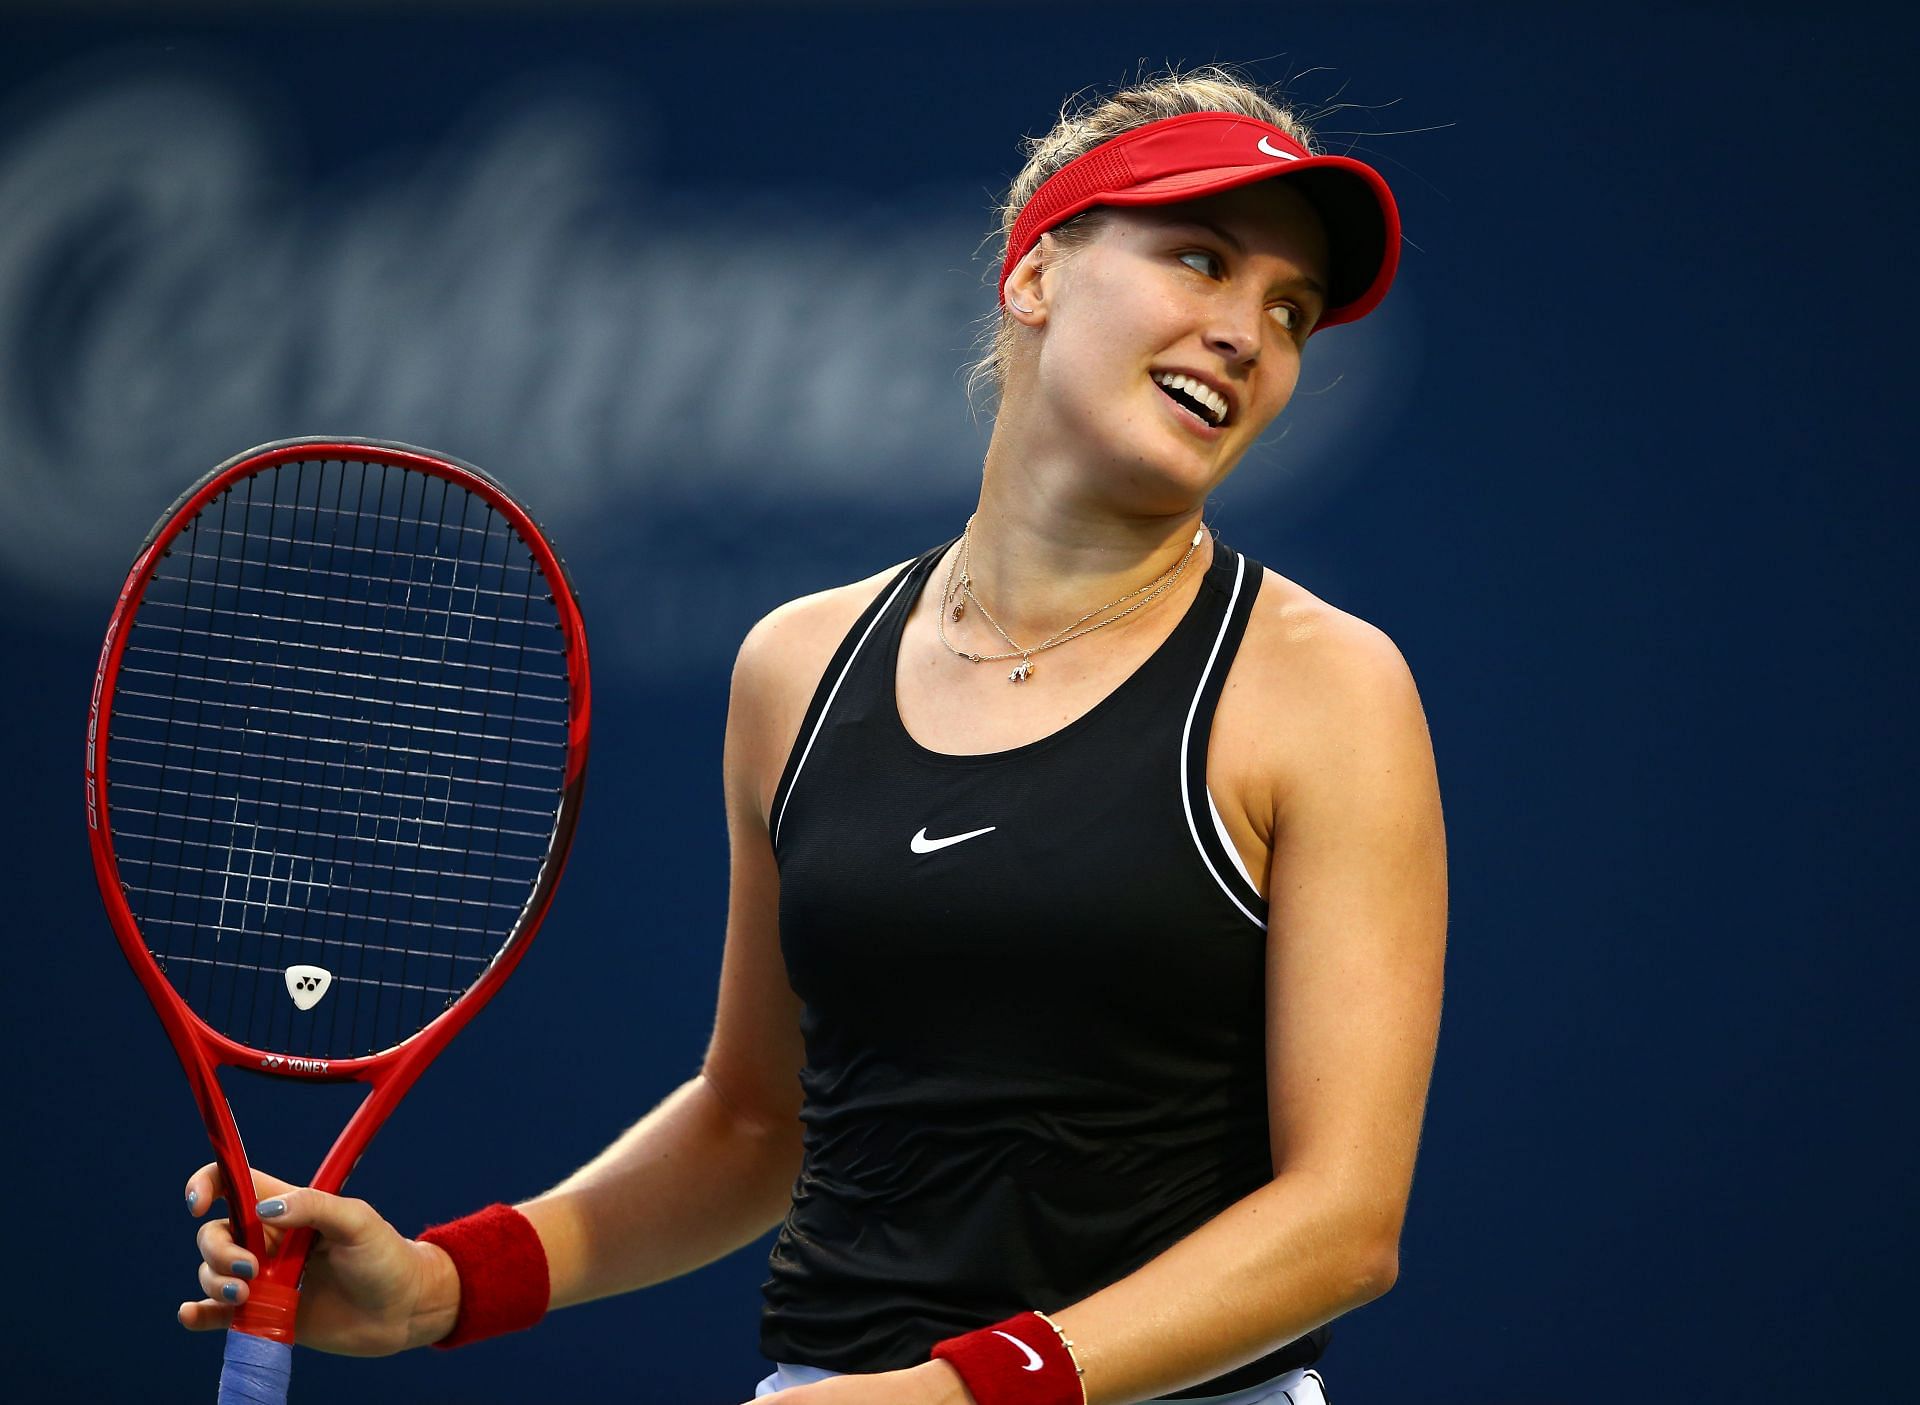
[(1158, 488), (1180, 468)]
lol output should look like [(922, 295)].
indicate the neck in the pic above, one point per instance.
[(1043, 555)]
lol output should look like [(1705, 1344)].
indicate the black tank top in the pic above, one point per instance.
[(1033, 1001)]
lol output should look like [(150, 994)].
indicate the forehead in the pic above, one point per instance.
[(1271, 217)]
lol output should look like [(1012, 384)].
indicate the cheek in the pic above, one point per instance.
[(1096, 349), (1280, 378), (1286, 381), (1124, 314), (1283, 379)]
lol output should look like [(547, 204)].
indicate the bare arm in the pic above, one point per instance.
[(711, 1168), (1357, 930)]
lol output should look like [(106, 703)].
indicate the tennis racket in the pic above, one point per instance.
[(335, 753)]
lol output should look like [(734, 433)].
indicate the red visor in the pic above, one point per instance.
[(1203, 153)]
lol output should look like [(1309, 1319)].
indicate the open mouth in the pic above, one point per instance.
[(1201, 401)]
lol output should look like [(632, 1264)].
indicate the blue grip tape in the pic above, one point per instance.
[(256, 1371)]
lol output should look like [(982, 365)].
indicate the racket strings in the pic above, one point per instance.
[(248, 708), (134, 786), (341, 745), (334, 652), (400, 990), (337, 671)]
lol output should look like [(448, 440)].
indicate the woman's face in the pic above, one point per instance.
[(1220, 291)]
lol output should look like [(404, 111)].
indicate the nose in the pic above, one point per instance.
[(1235, 331)]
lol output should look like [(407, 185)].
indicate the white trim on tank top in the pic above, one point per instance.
[(1226, 842), (827, 706), (1186, 747), (1186, 742)]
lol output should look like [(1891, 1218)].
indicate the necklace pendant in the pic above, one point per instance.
[(959, 608), (1022, 671)]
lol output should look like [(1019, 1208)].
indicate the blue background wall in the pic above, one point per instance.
[(1621, 465)]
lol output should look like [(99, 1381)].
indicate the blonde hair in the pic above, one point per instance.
[(1086, 122)]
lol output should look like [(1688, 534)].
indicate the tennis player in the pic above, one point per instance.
[(1083, 962)]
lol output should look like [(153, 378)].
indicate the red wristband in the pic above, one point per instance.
[(502, 1269), (1023, 1361)]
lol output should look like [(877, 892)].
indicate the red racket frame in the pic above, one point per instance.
[(273, 1296)]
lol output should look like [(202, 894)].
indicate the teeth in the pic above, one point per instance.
[(1214, 401)]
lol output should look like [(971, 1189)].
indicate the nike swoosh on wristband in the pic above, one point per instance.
[(1275, 151), (920, 844), (1034, 1363)]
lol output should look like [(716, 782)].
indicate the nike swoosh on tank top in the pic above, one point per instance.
[(1036, 1058)]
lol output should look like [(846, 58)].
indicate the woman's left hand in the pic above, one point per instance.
[(935, 1383)]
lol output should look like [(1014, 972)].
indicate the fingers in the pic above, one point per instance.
[(227, 1288), (207, 1185), (204, 1187), (285, 1205), (339, 1219), (226, 1268), (344, 1221), (207, 1316), (216, 1243), (224, 1258)]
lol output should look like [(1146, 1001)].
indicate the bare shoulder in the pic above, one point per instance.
[(779, 666), (787, 651), (1313, 687), (1335, 656)]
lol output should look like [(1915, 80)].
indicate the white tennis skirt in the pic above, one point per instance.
[(1294, 1388)]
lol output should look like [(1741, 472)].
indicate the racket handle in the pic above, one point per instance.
[(273, 1304), (256, 1371), (260, 1342)]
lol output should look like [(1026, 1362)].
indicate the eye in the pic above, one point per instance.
[(1211, 260), (1287, 315)]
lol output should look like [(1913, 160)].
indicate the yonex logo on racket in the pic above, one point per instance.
[(281, 1063), (308, 984)]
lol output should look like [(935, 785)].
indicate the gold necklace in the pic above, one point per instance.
[(958, 590)]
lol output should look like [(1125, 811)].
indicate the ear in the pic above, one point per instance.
[(1027, 286)]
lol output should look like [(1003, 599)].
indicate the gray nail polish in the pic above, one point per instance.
[(230, 1291), (193, 1199), (267, 1209), (242, 1269)]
